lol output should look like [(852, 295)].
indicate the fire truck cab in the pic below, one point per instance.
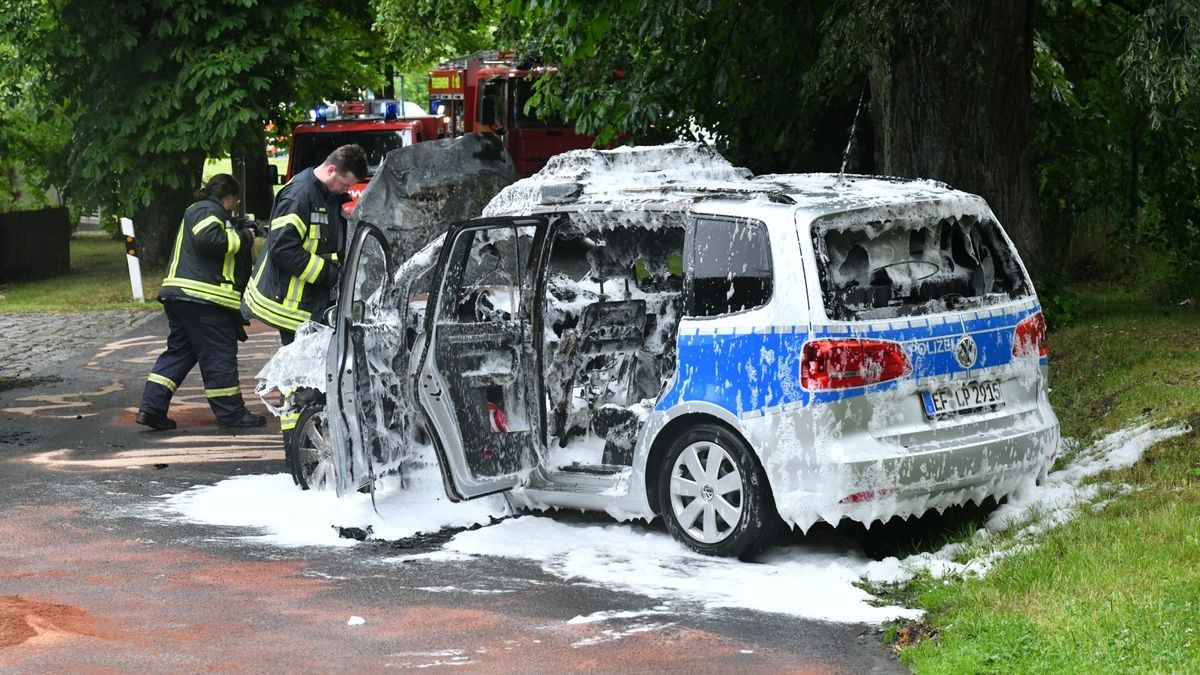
[(489, 92), (378, 126)]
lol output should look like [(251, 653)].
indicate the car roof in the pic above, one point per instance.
[(677, 176)]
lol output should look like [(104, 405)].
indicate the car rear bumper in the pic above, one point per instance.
[(867, 479)]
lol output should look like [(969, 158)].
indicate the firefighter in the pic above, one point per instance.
[(298, 265), (201, 295)]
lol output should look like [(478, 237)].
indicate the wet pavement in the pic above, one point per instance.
[(89, 583)]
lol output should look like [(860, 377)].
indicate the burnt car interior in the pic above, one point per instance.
[(613, 293), (876, 270), (602, 332)]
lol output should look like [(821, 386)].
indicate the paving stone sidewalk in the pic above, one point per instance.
[(33, 343)]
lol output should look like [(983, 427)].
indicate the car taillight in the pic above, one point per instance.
[(845, 363), (1029, 338), (868, 495)]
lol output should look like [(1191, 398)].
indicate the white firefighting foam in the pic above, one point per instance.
[(813, 577)]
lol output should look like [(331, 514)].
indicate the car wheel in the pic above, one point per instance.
[(713, 495), (312, 458)]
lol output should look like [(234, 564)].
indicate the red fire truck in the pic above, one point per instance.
[(489, 92), (377, 126)]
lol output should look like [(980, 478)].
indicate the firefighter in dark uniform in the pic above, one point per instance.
[(201, 295), (297, 268), (298, 265)]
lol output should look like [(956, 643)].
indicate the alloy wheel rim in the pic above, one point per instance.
[(316, 454), (706, 492)]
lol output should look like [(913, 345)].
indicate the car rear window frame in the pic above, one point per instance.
[(930, 214)]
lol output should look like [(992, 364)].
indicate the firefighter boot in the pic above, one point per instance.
[(156, 422), (245, 421)]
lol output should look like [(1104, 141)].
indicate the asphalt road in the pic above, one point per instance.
[(87, 583)]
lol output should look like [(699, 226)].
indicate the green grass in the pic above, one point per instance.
[(1115, 590), (98, 280)]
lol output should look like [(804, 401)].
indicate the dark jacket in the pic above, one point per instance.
[(211, 258), (295, 269)]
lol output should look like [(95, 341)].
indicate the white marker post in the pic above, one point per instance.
[(135, 270)]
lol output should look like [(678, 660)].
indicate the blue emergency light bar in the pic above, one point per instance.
[(389, 110)]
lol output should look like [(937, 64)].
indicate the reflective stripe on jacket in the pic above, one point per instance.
[(291, 278), (208, 255)]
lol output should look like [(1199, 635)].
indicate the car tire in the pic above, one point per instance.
[(714, 496), (311, 452)]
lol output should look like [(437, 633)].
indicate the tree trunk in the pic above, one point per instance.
[(953, 103), (157, 223), (251, 145)]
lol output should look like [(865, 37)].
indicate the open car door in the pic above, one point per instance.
[(475, 379), (364, 383)]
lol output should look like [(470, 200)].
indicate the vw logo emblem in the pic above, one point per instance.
[(966, 351)]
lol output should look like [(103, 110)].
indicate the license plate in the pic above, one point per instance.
[(962, 397)]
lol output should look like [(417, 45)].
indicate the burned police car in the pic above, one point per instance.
[(651, 331)]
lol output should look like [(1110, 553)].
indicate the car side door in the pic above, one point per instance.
[(476, 379), (364, 383)]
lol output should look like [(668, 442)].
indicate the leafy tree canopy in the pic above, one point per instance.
[(153, 87), (1117, 139), (424, 32), (1114, 134), (32, 128), (657, 70), (1161, 62), (650, 71)]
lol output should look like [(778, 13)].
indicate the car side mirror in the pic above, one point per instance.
[(273, 174), (330, 316)]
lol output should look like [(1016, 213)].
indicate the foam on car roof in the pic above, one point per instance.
[(684, 172)]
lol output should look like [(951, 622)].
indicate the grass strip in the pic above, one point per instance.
[(98, 280), (1114, 590)]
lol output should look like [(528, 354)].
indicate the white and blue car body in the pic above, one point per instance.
[(651, 332)]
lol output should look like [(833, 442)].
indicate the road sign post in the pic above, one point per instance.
[(131, 257)]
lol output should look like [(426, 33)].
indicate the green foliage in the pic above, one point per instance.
[(28, 141), (1117, 140), (1162, 59), (855, 33), (424, 32), (1060, 303), (706, 68), (1169, 275), (415, 84), (153, 87), (32, 127)]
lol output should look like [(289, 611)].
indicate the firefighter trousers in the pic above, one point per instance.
[(205, 334)]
